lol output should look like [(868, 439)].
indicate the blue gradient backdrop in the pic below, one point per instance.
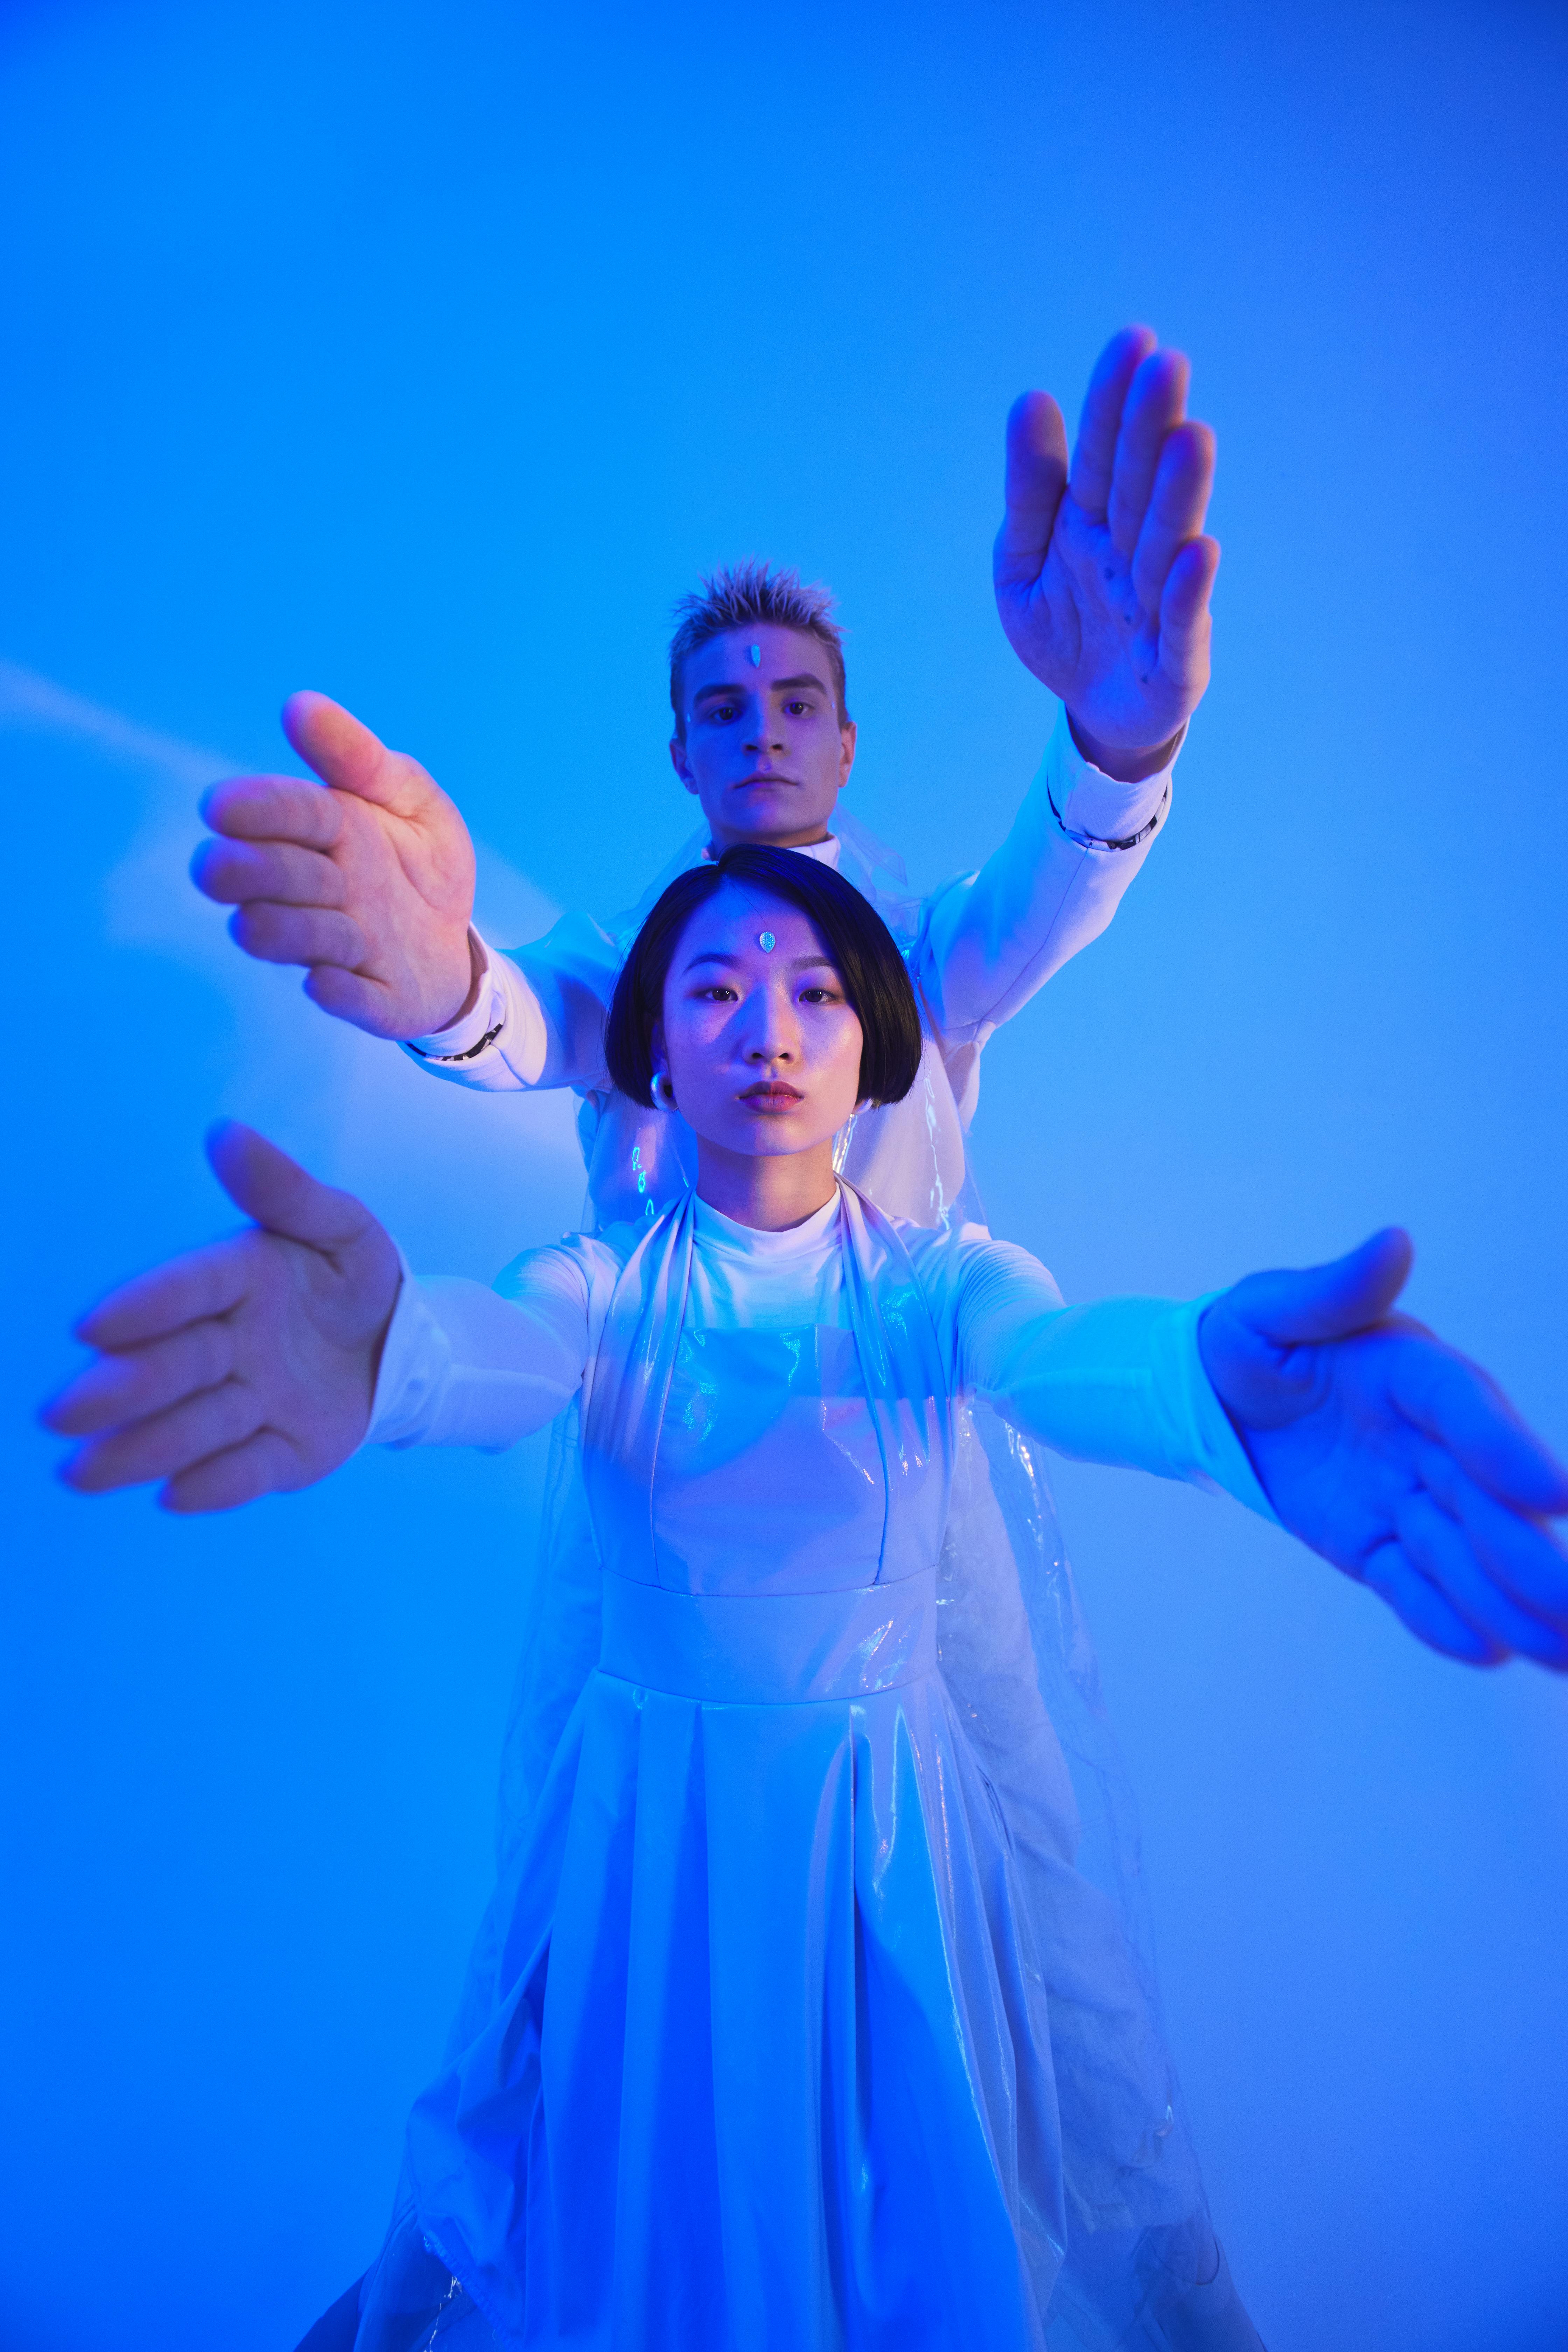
[(422, 354)]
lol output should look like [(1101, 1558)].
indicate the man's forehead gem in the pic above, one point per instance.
[(756, 653), (766, 941)]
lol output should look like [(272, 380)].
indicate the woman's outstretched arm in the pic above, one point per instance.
[(1303, 1394), (258, 1364)]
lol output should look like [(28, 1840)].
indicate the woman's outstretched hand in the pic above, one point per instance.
[(247, 1368), (1393, 1456)]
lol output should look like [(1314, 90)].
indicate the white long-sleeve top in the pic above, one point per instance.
[(768, 1462), (978, 949)]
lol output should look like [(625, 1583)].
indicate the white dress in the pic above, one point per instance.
[(803, 2029), (977, 950)]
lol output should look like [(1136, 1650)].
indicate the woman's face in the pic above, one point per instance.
[(759, 1040)]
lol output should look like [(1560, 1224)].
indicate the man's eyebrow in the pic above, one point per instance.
[(779, 686)]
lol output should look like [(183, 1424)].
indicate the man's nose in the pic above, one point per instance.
[(764, 732)]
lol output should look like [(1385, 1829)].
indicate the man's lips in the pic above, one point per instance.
[(767, 777)]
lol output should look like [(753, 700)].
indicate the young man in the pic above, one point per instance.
[(1103, 576)]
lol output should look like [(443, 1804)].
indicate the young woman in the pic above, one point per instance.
[(794, 2024)]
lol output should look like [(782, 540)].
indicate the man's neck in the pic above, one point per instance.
[(716, 848)]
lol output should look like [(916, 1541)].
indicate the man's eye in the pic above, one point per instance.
[(798, 709), (722, 711)]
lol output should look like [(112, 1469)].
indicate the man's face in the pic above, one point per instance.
[(764, 753)]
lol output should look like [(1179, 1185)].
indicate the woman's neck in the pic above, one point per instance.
[(769, 1192)]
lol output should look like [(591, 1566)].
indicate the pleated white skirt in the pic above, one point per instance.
[(771, 2067)]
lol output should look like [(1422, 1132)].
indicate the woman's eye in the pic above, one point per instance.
[(820, 996)]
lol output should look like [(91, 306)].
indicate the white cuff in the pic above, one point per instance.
[(1091, 807), (1219, 1458), (416, 1358), (505, 1017), (474, 1030)]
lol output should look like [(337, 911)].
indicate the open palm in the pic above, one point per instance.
[(1102, 572), (369, 883), (1392, 1456), (244, 1369)]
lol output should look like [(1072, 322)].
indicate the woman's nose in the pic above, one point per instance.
[(775, 1038)]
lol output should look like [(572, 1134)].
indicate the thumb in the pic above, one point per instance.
[(1327, 1302), (1036, 477), (339, 747), (278, 1194)]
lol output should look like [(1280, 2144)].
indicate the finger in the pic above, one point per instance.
[(272, 808), (1450, 1399), (236, 872), (1185, 622), (124, 1388), (310, 935), (203, 1283), (1419, 1605), (346, 755), (165, 1443), (348, 996), (1094, 458), (1439, 1547), (1327, 1302), (1156, 402), (1034, 479), (1518, 1554), (265, 1465), (278, 1193), (1178, 501)]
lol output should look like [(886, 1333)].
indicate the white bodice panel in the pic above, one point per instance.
[(769, 1477)]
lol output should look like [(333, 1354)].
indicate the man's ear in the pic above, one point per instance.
[(846, 739), (682, 764)]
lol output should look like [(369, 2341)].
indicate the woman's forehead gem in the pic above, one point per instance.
[(766, 941), (756, 653)]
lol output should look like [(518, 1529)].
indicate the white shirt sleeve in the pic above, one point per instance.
[(463, 1366), (992, 939), (1118, 1381), (538, 1016)]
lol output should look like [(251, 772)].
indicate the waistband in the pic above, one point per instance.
[(770, 1649)]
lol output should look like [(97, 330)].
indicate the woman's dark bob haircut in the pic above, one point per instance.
[(862, 947)]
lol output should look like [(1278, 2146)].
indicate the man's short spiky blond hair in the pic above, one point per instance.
[(744, 596)]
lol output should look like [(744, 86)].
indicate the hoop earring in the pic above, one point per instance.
[(664, 1090)]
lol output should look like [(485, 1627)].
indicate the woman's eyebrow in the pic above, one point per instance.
[(792, 963)]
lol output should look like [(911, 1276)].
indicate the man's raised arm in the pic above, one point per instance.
[(1104, 575)]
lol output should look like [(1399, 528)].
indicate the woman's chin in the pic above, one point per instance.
[(772, 1135)]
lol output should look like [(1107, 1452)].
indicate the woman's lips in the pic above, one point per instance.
[(771, 1097)]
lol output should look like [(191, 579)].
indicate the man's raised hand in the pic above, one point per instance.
[(370, 882), (1394, 1457), (1102, 571), (244, 1369)]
